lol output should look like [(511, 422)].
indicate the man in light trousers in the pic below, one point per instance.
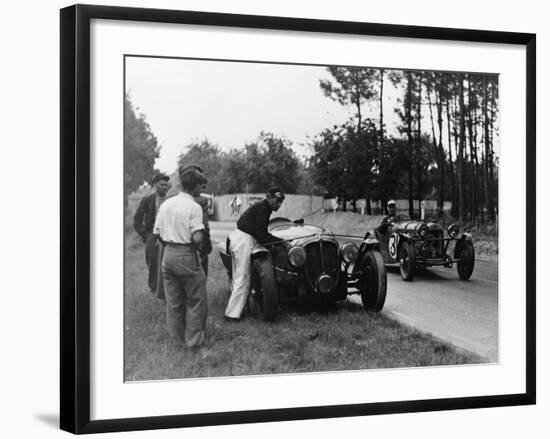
[(180, 225), (251, 230)]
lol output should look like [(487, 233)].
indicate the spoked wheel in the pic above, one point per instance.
[(264, 294), (465, 266), (373, 283), (407, 261)]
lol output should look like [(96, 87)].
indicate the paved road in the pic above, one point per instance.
[(464, 313)]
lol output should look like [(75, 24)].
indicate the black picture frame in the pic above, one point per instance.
[(75, 217)]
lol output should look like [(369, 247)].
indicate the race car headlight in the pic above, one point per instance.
[(423, 230), (297, 256), (350, 252), (325, 283), (453, 230)]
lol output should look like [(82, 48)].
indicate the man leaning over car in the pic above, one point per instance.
[(251, 230)]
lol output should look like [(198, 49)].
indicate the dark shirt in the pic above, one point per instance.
[(144, 219), (383, 228), (254, 221)]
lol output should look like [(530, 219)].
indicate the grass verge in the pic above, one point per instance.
[(343, 337)]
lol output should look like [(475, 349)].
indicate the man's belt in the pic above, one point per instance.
[(179, 244)]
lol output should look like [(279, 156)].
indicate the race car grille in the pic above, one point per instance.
[(321, 258), (433, 249)]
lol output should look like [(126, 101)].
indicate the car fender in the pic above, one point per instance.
[(370, 241), (404, 237), (464, 237), (258, 251)]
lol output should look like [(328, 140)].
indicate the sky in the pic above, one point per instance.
[(229, 103)]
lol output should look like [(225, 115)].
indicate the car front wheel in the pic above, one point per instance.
[(265, 289), (407, 261), (374, 281), (465, 266)]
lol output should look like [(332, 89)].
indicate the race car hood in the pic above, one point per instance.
[(412, 226), (299, 234)]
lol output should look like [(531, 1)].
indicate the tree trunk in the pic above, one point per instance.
[(454, 211), (471, 110), (492, 191), (381, 119), (486, 145), (434, 141), (456, 137), (419, 181), (441, 187), (408, 111), (462, 142)]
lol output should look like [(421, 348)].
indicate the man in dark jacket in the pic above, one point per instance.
[(251, 230), (144, 221), (206, 247), (387, 220)]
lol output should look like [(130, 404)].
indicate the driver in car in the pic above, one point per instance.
[(251, 230), (388, 219)]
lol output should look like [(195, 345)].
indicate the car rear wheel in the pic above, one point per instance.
[(374, 282), (407, 261), (465, 266), (265, 293)]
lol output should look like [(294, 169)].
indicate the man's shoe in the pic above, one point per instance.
[(231, 319)]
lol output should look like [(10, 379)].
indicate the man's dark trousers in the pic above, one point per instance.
[(151, 260)]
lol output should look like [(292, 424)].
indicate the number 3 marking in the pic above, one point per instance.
[(392, 245)]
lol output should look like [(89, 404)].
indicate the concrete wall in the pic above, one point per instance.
[(430, 206), (294, 206)]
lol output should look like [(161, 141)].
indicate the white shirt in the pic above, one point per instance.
[(178, 218)]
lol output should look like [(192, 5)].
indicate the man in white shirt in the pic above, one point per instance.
[(179, 224)]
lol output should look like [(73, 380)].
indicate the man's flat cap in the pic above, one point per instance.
[(160, 177)]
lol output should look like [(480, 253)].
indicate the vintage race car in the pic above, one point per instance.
[(413, 244), (319, 268)]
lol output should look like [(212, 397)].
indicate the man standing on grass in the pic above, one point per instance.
[(251, 230), (206, 246), (180, 226), (144, 220)]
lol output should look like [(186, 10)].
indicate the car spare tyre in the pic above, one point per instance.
[(373, 282), (264, 288), (466, 255)]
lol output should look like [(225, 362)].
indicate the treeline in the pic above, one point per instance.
[(141, 148), (253, 168), (443, 148)]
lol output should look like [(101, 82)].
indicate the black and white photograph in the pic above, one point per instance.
[(275, 219), (285, 218)]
